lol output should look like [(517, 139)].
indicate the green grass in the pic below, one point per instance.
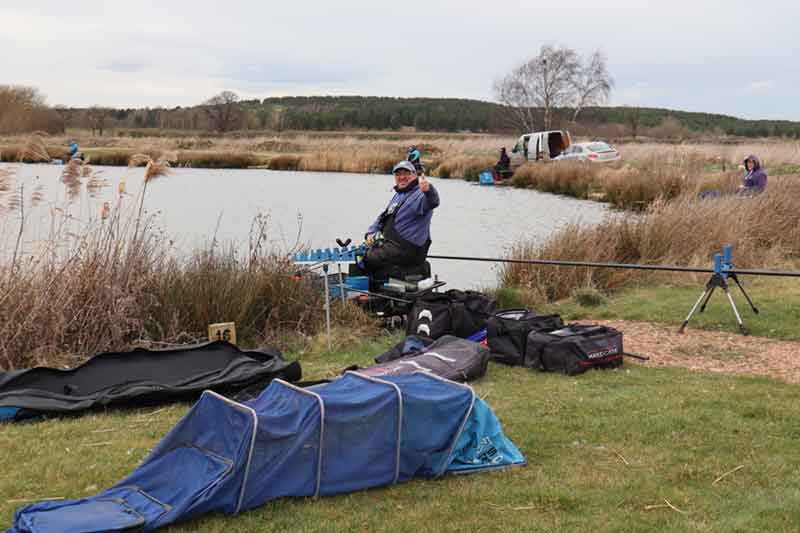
[(778, 302), (605, 450), (785, 170)]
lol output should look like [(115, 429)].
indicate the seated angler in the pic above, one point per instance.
[(755, 180), (400, 236), (503, 166), (413, 156)]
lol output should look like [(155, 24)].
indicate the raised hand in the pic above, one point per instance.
[(424, 185)]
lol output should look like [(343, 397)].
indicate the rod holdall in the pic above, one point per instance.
[(574, 349), (455, 312), (507, 333)]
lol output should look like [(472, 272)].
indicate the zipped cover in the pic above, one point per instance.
[(448, 357), (354, 433), (139, 377)]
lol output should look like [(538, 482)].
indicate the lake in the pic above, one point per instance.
[(193, 205)]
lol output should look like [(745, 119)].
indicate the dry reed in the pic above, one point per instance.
[(373, 161), (34, 151), (284, 162), (115, 284), (685, 231), (463, 167)]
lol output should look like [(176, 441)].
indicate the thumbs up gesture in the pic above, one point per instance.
[(424, 185)]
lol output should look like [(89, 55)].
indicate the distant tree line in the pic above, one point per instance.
[(23, 109), (226, 113)]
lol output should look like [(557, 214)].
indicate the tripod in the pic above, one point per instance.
[(719, 279)]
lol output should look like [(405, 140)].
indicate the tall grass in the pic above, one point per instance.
[(113, 283), (684, 231), (573, 179), (34, 151), (210, 159), (632, 185), (284, 162), (332, 160), (463, 167)]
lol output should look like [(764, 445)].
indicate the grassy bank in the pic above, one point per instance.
[(669, 301), (635, 449)]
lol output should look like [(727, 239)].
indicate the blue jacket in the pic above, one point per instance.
[(413, 219)]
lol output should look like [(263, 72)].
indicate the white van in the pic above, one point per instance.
[(539, 146)]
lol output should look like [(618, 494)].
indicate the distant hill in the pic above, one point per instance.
[(336, 113), (451, 114)]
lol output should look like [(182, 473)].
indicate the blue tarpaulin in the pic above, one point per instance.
[(354, 433)]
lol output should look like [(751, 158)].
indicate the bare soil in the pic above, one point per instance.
[(711, 351)]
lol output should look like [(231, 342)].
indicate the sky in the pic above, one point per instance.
[(733, 57)]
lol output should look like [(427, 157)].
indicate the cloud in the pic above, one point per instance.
[(256, 72), (758, 87), (152, 53), (127, 66)]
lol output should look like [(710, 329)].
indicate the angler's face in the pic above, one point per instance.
[(749, 163), (403, 177)]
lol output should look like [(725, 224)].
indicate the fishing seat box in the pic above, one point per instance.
[(574, 349), (507, 333)]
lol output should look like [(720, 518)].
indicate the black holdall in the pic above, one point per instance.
[(455, 312), (507, 333), (574, 349)]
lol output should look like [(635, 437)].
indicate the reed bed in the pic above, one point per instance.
[(367, 161), (209, 159), (34, 151), (284, 162), (630, 185), (114, 282), (684, 231), (463, 167)]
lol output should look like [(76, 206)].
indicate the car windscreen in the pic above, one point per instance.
[(599, 147)]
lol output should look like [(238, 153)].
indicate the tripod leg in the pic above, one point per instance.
[(747, 296), (708, 297), (694, 308), (735, 311)]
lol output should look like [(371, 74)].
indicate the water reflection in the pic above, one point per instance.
[(195, 206)]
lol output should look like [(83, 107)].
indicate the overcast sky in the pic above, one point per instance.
[(735, 57)]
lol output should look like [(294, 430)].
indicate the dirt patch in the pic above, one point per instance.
[(712, 351)]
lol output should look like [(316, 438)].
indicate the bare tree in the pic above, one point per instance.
[(633, 117), (279, 118), (97, 118), (223, 111), (592, 83), (545, 81)]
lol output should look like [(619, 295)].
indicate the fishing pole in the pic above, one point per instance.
[(722, 271), (631, 266)]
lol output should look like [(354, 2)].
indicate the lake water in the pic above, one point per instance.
[(192, 204)]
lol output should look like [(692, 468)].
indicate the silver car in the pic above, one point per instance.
[(592, 152)]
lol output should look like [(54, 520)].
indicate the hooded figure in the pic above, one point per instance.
[(755, 180)]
